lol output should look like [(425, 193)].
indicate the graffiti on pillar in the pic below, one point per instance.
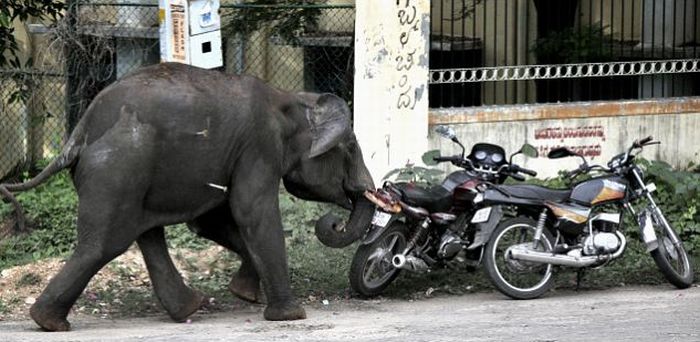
[(549, 138), (409, 22)]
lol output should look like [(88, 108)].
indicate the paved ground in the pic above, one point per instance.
[(621, 314)]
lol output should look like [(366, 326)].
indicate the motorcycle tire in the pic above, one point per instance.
[(377, 257), (497, 263), (673, 261)]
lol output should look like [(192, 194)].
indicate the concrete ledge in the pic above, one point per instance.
[(571, 110)]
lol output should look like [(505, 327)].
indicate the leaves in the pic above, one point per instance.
[(416, 174), (574, 45), (22, 10), (428, 157), (286, 19)]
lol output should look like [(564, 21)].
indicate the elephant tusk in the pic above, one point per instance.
[(219, 187)]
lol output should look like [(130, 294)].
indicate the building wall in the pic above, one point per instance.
[(600, 130)]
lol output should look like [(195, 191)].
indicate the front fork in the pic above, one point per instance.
[(647, 217)]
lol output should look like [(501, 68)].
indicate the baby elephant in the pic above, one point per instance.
[(172, 143)]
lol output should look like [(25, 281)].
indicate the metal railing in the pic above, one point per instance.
[(488, 52), (101, 41)]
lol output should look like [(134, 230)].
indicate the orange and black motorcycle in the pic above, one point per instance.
[(578, 227)]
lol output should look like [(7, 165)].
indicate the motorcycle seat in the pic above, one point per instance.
[(433, 199), (536, 192)]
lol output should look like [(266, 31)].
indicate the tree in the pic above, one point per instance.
[(22, 10)]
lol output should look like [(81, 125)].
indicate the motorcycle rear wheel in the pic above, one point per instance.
[(371, 270), (672, 260), (514, 278)]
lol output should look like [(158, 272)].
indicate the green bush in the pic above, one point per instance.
[(51, 210)]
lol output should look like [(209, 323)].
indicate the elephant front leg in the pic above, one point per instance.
[(179, 300), (260, 226), (217, 225), (245, 283)]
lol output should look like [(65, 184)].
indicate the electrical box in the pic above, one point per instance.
[(190, 32)]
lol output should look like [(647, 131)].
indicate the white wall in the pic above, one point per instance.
[(600, 137), (391, 82)]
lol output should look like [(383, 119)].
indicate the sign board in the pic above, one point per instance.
[(190, 32)]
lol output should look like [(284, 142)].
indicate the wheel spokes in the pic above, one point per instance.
[(520, 274), (378, 266)]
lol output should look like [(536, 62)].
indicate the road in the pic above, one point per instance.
[(638, 314)]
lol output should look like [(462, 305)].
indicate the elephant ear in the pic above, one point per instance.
[(329, 118)]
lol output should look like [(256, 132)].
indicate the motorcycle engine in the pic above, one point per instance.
[(601, 243), (450, 245)]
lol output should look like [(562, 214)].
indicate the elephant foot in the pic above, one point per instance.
[(197, 300), (285, 312), (48, 319), (246, 288)]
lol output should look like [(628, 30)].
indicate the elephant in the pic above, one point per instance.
[(172, 143)]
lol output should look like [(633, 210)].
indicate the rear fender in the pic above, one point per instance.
[(485, 229), (375, 231)]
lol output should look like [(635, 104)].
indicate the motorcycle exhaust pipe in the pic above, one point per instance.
[(409, 263), (524, 253)]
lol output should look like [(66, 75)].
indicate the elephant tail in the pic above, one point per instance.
[(68, 157)]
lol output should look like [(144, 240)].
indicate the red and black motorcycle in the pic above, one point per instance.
[(577, 227), (417, 229)]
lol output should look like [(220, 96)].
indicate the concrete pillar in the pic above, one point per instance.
[(391, 82)]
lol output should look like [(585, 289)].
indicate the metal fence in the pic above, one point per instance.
[(486, 52), (483, 52), (293, 48), (32, 121)]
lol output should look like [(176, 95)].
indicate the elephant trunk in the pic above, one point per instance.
[(335, 233)]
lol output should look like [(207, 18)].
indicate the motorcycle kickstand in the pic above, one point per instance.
[(579, 276)]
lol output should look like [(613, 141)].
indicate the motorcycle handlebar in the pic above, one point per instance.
[(441, 159), (516, 176), (516, 169), (644, 141)]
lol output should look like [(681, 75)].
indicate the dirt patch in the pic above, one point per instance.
[(122, 288)]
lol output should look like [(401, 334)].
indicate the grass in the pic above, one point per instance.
[(316, 271)]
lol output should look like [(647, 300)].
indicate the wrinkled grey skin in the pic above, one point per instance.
[(141, 159)]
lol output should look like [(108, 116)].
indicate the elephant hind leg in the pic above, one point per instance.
[(179, 300), (51, 309)]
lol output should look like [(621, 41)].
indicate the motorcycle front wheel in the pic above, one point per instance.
[(672, 259), (516, 278), (371, 270)]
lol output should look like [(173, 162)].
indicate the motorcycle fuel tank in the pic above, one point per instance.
[(599, 190), (462, 186)]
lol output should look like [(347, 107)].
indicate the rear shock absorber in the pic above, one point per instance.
[(411, 262), (539, 229), (420, 233)]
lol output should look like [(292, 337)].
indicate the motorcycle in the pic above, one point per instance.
[(420, 229), (579, 227)]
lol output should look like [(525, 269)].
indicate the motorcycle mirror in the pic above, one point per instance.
[(449, 133), (561, 152), (527, 149), (446, 132), (530, 151)]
